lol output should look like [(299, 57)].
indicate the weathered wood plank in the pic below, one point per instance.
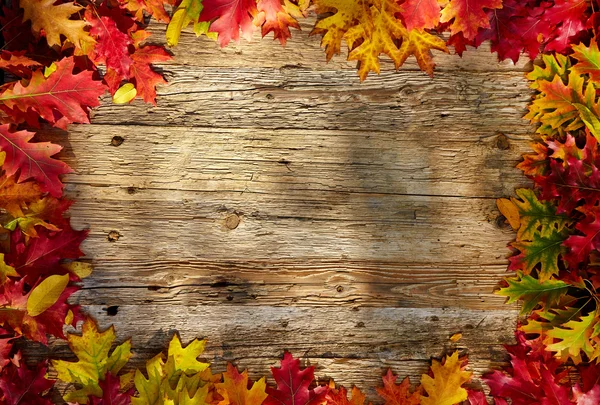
[(353, 346)]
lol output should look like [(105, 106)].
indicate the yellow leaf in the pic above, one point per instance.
[(456, 337), (91, 348), (69, 318), (234, 388), (46, 293), (55, 20), (125, 94), (187, 12), (80, 269), (445, 387), (510, 212), (48, 70), (6, 270)]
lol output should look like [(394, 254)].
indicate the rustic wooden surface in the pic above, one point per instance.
[(271, 201)]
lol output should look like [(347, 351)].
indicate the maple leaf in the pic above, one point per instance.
[(533, 216), (397, 394), (468, 16), (20, 385), (156, 8), (533, 292), (92, 349), (444, 386), (28, 160), (55, 21), (274, 17), (577, 336), (182, 370), (535, 164), (542, 250), (555, 108), (554, 65), (567, 17), (144, 78), (292, 385), (228, 17), (588, 60), (234, 388), (339, 396), (421, 14), (60, 99), (346, 14)]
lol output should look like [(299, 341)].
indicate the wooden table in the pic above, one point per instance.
[(272, 202)]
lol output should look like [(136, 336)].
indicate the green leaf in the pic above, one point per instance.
[(46, 293), (187, 13), (588, 60), (589, 119), (532, 291), (91, 348), (576, 337), (542, 250)]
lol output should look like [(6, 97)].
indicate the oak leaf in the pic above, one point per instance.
[(339, 396), (576, 337), (397, 394), (14, 197), (17, 63), (55, 21), (27, 160), (421, 14), (468, 16), (541, 250), (112, 393), (272, 16), (61, 98), (533, 292)]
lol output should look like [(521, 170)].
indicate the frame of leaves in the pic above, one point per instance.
[(62, 56)]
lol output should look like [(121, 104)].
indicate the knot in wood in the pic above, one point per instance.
[(113, 236), (502, 142), (232, 221), (117, 140)]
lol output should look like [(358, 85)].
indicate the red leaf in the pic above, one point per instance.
[(228, 17), (273, 17), (468, 16), (111, 392), (397, 394), (22, 386), (112, 45), (17, 63), (60, 99), (421, 13), (580, 246), (293, 383), (144, 78), (568, 18), (32, 160)]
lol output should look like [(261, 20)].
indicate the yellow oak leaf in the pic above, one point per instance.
[(92, 349), (55, 20), (234, 388), (445, 386)]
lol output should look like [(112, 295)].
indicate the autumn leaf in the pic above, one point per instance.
[(346, 14), (112, 394), (398, 394), (188, 12), (234, 388), (421, 14), (339, 396), (92, 349), (292, 385), (178, 379), (577, 336), (537, 163), (17, 63), (20, 385), (54, 20), (533, 292), (6, 270), (38, 213), (14, 197), (541, 250), (61, 98), (27, 160), (142, 74), (155, 8), (588, 60), (228, 17), (554, 65), (580, 246), (444, 385), (272, 16), (468, 16)]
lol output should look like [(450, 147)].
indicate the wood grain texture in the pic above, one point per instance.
[(272, 202)]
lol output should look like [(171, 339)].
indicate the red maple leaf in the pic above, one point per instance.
[(17, 63), (580, 246), (228, 17), (272, 17), (21, 386), (421, 14), (32, 160), (144, 78), (293, 383), (568, 17), (61, 98)]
